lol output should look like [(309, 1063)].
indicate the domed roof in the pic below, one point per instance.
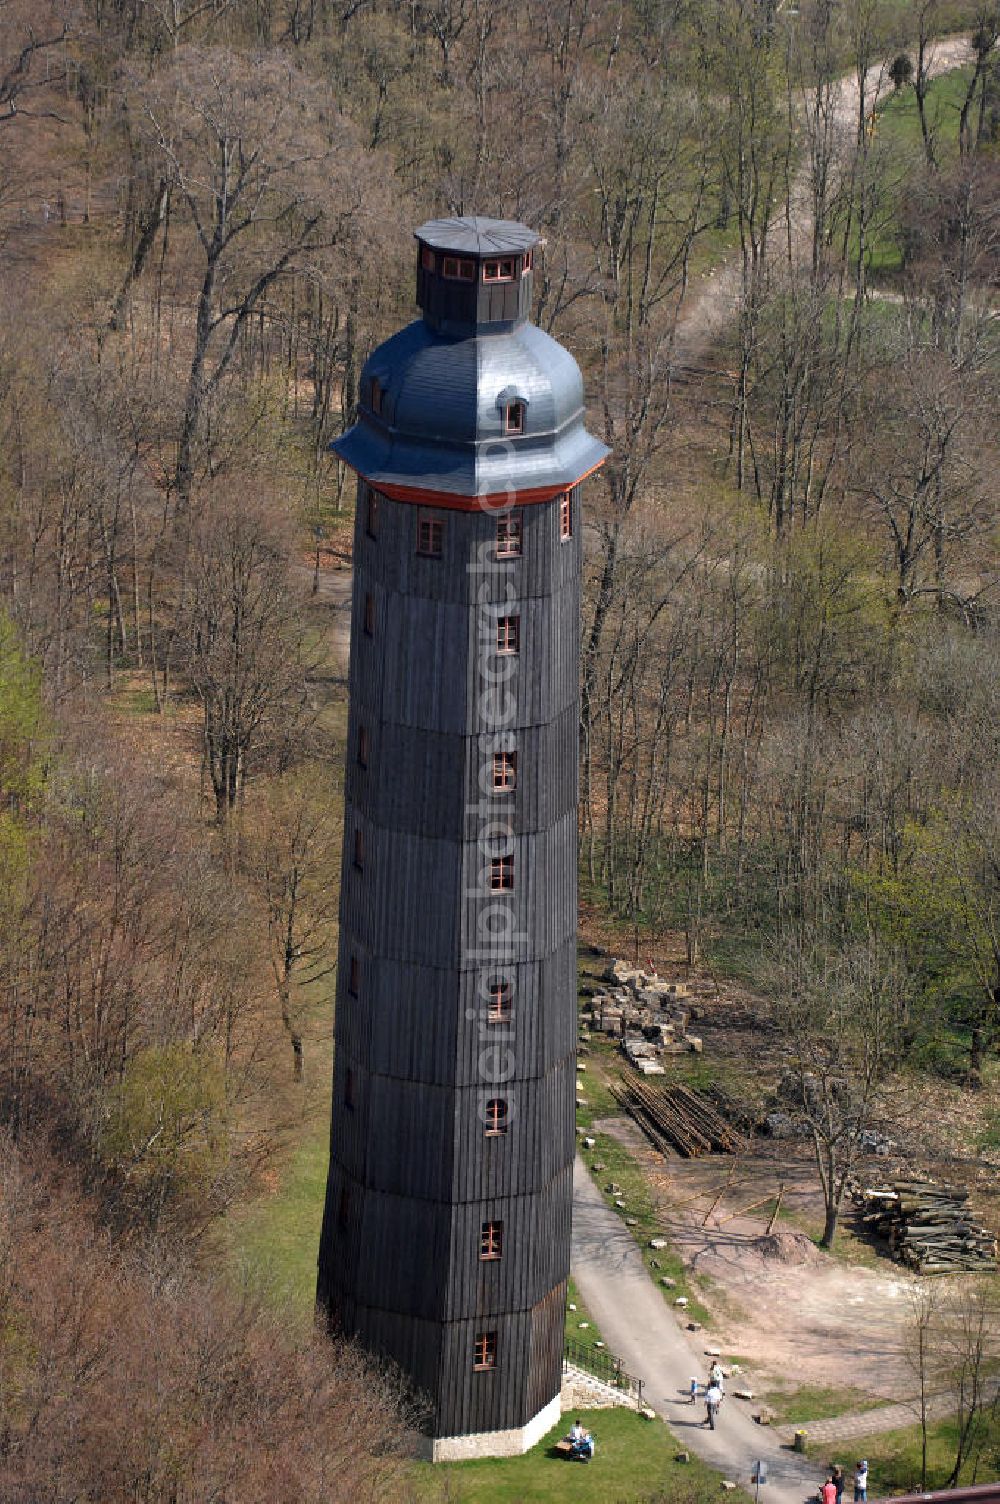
[(442, 420)]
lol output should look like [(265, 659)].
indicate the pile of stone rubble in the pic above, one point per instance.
[(648, 1015)]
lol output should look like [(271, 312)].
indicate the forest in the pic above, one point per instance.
[(772, 242)]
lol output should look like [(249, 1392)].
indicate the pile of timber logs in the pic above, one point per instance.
[(928, 1226), (676, 1117)]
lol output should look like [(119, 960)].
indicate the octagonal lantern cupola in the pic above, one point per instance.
[(474, 275)]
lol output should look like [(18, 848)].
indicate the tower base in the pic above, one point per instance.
[(511, 1443)]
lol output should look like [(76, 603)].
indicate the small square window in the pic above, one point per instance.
[(504, 772), (430, 536), (427, 258), (508, 634), (491, 1241), (371, 515), (496, 1117), (509, 535), (359, 850), (513, 417), (353, 976), (566, 516), (369, 616), (500, 1006), (526, 263), (363, 746), (501, 270), (459, 269), (501, 874), (484, 1354)]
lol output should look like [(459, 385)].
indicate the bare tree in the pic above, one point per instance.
[(263, 166), (290, 851), (840, 1013), (954, 1343), (244, 648)]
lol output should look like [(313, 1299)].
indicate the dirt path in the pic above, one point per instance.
[(334, 593), (798, 1315), (709, 311)]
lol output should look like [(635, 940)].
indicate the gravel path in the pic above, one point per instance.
[(640, 1328)]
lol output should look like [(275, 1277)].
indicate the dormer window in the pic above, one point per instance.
[(502, 270), (376, 396), (513, 417), (459, 269)]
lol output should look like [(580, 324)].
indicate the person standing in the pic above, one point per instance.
[(828, 1492), (694, 1390), (838, 1482), (861, 1483), (713, 1399)]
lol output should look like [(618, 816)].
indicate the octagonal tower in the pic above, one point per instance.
[(446, 1231)]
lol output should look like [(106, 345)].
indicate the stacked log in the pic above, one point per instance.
[(928, 1227), (677, 1117)]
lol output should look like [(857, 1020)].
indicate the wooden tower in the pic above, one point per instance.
[(446, 1232)]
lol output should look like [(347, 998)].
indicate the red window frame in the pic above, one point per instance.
[(566, 516), (369, 617), (359, 850), (484, 1352), (427, 259), (497, 1117), (458, 269), (526, 262), (430, 536), (513, 417), (508, 535), (491, 1242), (500, 269), (504, 772), (508, 634), (501, 874), (353, 976), (371, 514), (364, 746), (501, 1001)]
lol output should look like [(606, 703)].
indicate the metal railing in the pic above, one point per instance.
[(604, 1366)]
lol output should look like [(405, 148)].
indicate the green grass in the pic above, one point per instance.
[(988, 1136), (591, 1332), (592, 1084), (899, 119), (634, 1461), (273, 1240), (894, 1459), (812, 1402), (899, 128)]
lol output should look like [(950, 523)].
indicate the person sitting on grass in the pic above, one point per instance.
[(581, 1441)]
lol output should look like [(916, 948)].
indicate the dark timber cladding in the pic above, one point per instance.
[(446, 1232)]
